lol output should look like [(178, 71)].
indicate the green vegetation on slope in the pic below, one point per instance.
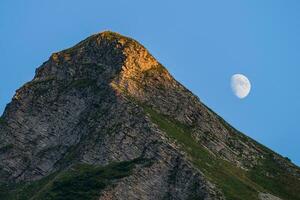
[(81, 182), (2, 121), (236, 184), (276, 179)]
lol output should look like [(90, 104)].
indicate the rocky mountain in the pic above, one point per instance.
[(105, 120)]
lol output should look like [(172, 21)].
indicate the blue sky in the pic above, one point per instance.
[(202, 43)]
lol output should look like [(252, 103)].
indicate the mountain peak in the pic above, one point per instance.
[(112, 59), (105, 120), (110, 35), (107, 52)]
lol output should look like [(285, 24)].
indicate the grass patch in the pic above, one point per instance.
[(81, 182), (229, 178), (236, 184), (275, 179), (2, 121)]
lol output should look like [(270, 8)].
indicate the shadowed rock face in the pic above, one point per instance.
[(108, 100)]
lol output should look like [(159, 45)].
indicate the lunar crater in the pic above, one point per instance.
[(240, 85)]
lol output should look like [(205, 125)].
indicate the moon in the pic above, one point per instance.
[(240, 85)]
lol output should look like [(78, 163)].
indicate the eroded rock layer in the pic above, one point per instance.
[(107, 100)]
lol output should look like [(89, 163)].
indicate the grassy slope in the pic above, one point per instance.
[(86, 182), (236, 184), (81, 182)]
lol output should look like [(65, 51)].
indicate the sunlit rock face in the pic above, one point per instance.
[(108, 100)]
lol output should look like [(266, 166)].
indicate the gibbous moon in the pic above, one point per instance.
[(240, 85)]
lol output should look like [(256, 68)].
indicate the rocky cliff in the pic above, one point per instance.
[(105, 120)]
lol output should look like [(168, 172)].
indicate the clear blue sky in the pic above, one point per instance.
[(202, 43)]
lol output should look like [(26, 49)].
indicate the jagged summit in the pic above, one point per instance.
[(105, 57), (105, 120), (110, 49)]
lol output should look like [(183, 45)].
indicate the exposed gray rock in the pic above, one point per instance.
[(72, 112), (265, 196), (84, 106)]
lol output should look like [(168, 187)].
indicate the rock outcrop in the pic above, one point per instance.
[(107, 100), (264, 196)]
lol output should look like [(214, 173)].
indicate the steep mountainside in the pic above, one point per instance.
[(105, 120)]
